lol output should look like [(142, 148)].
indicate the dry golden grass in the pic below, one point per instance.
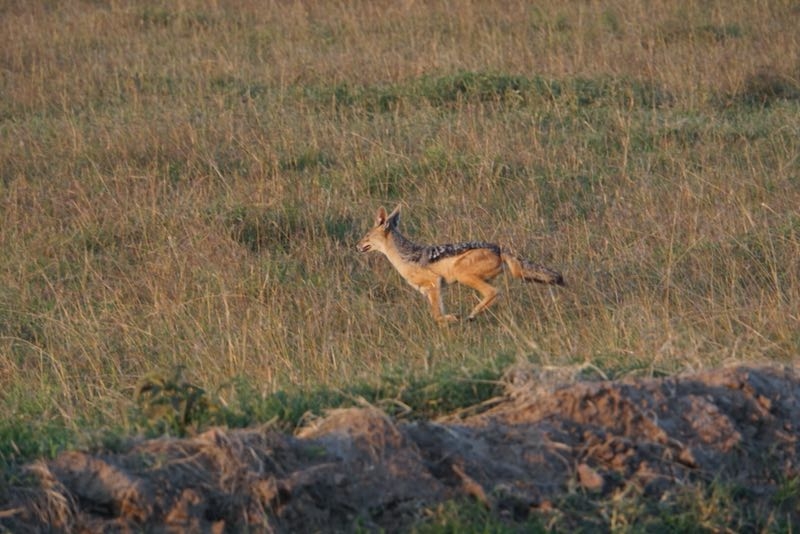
[(183, 184)]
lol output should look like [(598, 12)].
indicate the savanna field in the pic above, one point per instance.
[(182, 185)]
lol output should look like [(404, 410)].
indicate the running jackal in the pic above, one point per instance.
[(428, 267)]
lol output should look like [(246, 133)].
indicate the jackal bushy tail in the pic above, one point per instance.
[(531, 272)]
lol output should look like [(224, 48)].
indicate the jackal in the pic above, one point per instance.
[(428, 267)]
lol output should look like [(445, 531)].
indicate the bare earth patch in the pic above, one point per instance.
[(358, 466)]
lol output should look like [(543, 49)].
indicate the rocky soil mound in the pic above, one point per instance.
[(516, 455)]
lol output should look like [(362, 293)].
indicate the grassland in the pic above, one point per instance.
[(182, 185)]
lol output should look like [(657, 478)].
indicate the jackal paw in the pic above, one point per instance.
[(449, 318)]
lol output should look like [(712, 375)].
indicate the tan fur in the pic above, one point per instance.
[(427, 269)]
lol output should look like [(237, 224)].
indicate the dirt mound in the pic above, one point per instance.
[(358, 467)]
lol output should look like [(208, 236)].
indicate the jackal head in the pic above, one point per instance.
[(378, 236)]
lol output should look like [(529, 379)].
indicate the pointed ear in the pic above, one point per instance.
[(393, 218), (380, 217)]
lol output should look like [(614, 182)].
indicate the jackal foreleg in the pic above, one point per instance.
[(434, 295)]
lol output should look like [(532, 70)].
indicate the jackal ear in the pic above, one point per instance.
[(380, 217), (392, 219)]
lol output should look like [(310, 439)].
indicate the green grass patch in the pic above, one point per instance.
[(457, 516), (168, 403), (398, 392), (506, 90), (23, 438)]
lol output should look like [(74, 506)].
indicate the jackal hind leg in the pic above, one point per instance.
[(487, 291), (434, 295)]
